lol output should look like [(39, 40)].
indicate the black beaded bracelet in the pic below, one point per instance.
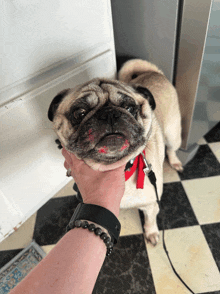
[(98, 232)]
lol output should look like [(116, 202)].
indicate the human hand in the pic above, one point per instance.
[(101, 188)]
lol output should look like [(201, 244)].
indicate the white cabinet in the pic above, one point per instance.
[(38, 36), (48, 46)]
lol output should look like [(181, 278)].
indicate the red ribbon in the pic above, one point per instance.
[(140, 165)]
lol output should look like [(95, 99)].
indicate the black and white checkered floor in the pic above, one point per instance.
[(191, 202)]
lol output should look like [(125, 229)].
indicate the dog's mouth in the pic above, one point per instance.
[(112, 143), (106, 147)]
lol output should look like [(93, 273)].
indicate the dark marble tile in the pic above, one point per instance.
[(213, 135), (127, 269), (7, 255), (176, 210), (52, 219), (215, 292), (204, 164), (212, 235)]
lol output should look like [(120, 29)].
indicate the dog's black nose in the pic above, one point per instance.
[(108, 114)]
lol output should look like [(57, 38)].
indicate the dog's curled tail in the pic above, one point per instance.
[(133, 68)]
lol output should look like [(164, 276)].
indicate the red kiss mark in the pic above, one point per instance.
[(126, 144), (104, 149), (91, 137)]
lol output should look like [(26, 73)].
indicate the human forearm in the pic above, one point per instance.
[(74, 263), (72, 266), (109, 203)]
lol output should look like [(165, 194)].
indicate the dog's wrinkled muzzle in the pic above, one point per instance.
[(112, 143)]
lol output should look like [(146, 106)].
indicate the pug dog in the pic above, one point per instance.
[(109, 123)]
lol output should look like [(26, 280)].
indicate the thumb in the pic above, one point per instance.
[(67, 156)]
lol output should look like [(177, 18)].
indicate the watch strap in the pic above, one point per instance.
[(98, 215)]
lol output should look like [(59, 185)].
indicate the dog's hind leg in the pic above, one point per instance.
[(150, 227), (173, 142)]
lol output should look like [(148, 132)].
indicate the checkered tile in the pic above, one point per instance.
[(191, 207)]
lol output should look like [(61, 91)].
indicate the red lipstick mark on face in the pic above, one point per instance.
[(91, 137), (104, 149), (126, 144)]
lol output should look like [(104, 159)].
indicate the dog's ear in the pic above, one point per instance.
[(55, 103), (147, 95)]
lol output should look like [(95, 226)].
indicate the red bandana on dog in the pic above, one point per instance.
[(139, 165)]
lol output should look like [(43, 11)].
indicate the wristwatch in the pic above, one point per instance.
[(99, 215)]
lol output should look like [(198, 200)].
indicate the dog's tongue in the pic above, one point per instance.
[(112, 143)]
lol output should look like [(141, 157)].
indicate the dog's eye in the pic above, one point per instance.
[(129, 108), (79, 113)]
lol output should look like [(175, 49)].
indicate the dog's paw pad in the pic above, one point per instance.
[(178, 167), (153, 238)]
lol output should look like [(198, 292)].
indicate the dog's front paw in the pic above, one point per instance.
[(177, 166), (153, 238)]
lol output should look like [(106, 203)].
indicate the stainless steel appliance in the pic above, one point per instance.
[(182, 38)]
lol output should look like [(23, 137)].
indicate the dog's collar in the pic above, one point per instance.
[(143, 168)]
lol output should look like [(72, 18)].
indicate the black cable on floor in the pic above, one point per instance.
[(152, 179)]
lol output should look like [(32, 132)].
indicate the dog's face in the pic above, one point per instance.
[(104, 122)]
